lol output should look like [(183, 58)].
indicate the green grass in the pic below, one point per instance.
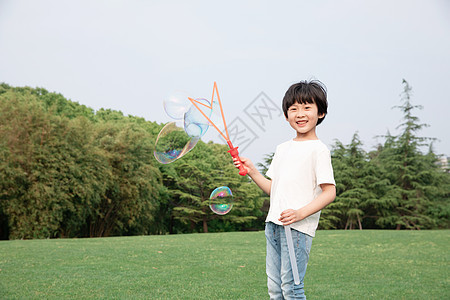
[(343, 265)]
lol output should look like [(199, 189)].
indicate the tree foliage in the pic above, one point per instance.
[(396, 186), (416, 182), (68, 171)]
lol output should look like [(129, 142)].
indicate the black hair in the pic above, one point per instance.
[(307, 92)]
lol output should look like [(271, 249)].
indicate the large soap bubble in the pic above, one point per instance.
[(175, 141), (172, 143), (221, 200), (177, 104), (195, 124)]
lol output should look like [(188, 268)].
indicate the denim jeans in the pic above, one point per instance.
[(280, 280)]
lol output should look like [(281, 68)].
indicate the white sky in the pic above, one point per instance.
[(128, 55)]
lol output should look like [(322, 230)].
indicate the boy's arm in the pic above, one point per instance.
[(327, 196), (261, 181)]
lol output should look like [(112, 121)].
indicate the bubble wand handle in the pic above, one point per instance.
[(235, 154), (290, 243)]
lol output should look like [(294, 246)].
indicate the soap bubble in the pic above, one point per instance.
[(177, 104), (221, 200), (172, 143), (195, 124)]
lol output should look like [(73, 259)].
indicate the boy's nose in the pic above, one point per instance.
[(300, 113)]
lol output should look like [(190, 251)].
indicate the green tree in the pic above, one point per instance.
[(197, 174), (437, 188), (133, 187), (412, 175), (354, 183), (48, 177), (263, 168), (54, 103), (64, 173)]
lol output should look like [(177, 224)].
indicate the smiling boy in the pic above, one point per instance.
[(301, 184)]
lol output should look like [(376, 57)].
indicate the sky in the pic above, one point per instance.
[(129, 55)]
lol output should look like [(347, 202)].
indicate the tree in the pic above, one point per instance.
[(264, 166), (48, 178), (133, 186), (406, 200), (354, 182), (66, 171), (205, 168), (64, 174)]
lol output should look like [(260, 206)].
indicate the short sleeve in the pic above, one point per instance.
[(324, 168), (271, 170)]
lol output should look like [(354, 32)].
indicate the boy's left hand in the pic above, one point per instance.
[(327, 196), (290, 216)]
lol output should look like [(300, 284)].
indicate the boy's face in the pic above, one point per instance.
[(303, 119)]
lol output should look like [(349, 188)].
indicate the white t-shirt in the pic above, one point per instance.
[(297, 170)]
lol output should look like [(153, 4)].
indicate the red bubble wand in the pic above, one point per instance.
[(233, 150)]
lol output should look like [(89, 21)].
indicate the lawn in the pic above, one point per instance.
[(343, 265)]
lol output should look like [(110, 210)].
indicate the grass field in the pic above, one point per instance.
[(343, 265)]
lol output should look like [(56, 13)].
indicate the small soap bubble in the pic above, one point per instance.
[(172, 143), (221, 200), (195, 123), (177, 104)]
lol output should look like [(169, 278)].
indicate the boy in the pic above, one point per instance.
[(301, 184)]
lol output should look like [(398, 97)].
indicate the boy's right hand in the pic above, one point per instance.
[(263, 183), (246, 163)]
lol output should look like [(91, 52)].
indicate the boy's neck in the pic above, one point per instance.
[(310, 136)]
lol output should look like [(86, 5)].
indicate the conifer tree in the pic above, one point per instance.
[(406, 201), (349, 162), (356, 185)]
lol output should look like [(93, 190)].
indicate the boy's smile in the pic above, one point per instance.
[(303, 119)]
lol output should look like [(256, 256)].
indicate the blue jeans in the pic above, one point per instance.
[(280, 280)]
